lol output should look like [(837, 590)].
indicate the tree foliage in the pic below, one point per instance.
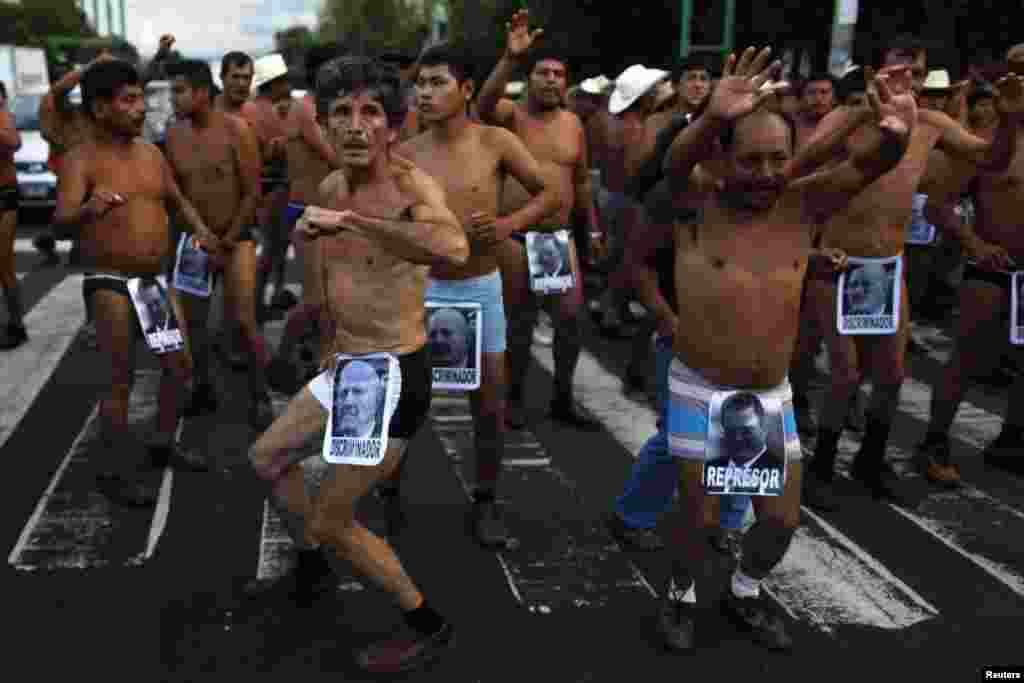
[(32, 21), (369, 26)]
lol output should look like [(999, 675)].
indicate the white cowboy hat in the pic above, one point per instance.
[(267, 69), (598, 85), (632, 84), (937, 80)]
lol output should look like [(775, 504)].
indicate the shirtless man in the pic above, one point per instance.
[(739, 274), (111, 196), (388, 227), (555, 137), (817, 99), (273, 94), (994, 247), (311, 158), (236, 72), (10, 142), (216, 161), (471, 162), (874, 226)]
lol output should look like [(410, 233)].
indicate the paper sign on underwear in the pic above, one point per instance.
[(1017, 308), (364, 395), (156, 316), (920, 231), (550, 259), (745, 452), (868, 298), (454, 334), (192, 268)]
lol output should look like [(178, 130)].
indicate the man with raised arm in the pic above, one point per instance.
[(738, 277), (471, 161), (556, 139), (112, 193)]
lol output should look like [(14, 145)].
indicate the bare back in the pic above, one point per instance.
[(208, 166), (133, 238), (738, 291), (997, 201), (374, 298), (473, 179), (306, 167), (874, 223), (557, 144)]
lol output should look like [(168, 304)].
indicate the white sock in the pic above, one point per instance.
[(743, 586), (690, 596)]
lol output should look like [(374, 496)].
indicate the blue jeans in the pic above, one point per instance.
[(648, 493)]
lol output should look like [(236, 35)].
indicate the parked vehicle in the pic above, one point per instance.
[(36, 184)]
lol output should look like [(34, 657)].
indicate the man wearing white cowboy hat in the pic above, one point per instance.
[(632, 101)]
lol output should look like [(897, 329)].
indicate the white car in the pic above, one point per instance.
[(37, 186)]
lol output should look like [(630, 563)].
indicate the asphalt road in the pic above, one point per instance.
[(933, 588)]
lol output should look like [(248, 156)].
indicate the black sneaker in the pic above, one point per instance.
[(1006, 452), (488, 525), (645, 540), (15, 336), (407, 651), (125, 491), (760, 618), (202, 402), (675, 619), (310, 578)]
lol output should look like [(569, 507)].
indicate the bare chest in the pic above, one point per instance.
[(204, 158), (553, 142)]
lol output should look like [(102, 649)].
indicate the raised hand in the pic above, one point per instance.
[(895, 113), (520, 37), (1011, 94), (746, 84), (166, 43)]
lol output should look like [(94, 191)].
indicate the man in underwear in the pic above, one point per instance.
[(15, 333), (111, 196), (472, 161), (310, 160), (744, 260), (215, 159), (874, 226), (994, 248), (387, 226), (555, 137), (273, 92)]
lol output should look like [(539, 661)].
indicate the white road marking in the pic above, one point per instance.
[(52, 325), (72, 525), (944, 514), (457, 422), (825, 578)]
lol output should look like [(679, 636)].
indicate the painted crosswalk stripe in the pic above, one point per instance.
[(52, 323), (943, 514), (576, 565), (825, 579), (74, 526)]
